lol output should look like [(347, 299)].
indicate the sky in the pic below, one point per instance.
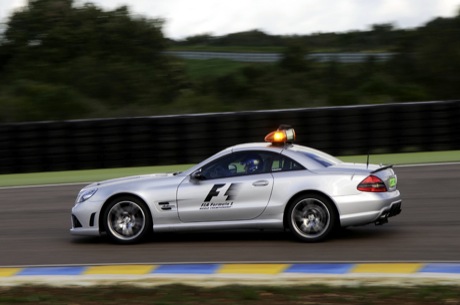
[(185, 18)]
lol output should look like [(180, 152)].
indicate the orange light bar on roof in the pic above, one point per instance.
[(281, 135)]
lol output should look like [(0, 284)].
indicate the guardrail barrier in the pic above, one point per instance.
[(274, 57), (184, 139)]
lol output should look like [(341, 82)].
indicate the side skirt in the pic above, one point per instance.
[(220, 225)]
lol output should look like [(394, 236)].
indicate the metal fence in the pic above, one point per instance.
[(183, 139)]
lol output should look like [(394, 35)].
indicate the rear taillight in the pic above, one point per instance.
[(372, 184)]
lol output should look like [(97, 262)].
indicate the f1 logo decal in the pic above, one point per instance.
[(230, 193), (213, 192)]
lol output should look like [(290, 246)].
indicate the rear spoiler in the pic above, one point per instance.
[(381, 169)]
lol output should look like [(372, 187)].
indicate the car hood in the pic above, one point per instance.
[(129, 179)]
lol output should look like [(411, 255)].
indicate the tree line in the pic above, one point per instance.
[(381, 37), (59, 61)]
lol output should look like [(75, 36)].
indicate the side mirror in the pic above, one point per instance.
[(196, 175)]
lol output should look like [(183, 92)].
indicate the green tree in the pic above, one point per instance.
[(293, 59), (249, 38), (438, 56), (109, 57), (203, 39)]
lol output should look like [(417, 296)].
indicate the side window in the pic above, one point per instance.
[(238, 164), (283, 164), (248, 163), (219, 168)]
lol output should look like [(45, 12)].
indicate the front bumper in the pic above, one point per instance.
[(85, 219)]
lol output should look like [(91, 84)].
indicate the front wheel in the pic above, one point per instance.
[(311, 217), (126, 220)]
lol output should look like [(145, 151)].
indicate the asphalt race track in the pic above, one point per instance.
[(35, 222)]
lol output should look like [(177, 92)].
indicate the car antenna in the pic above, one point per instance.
[(367, 163)]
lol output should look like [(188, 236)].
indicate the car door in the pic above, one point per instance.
[(225, 191)]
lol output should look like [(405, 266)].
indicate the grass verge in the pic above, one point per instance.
[(102, 174), (180, 294)]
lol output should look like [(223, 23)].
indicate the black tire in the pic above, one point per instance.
[(127, 220), (311, 217)]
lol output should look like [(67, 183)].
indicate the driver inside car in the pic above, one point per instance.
[(253, 165)]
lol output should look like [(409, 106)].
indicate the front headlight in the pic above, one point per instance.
[(85, 195)]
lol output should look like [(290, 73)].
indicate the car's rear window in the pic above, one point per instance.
[(317, 156), (320, 159)]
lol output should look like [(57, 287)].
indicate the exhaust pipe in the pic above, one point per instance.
[(382, 220)]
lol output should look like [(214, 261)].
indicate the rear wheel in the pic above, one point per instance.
[(311, 217), (127, 220)]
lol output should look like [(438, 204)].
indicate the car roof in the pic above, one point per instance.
[(258, 146), (294, 151)]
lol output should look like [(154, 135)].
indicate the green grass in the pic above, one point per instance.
[(407, 158), (102, 174), (83, 175), (231, 294)]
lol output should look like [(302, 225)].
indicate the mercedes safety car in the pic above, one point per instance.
[(274, 184)]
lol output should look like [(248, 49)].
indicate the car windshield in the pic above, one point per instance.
[(320, 157)]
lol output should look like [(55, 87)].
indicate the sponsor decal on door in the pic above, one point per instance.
[(220, 196)]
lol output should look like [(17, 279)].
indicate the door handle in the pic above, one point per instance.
[(260, 183)]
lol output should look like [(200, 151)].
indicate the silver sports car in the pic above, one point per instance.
[(275, 184)]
